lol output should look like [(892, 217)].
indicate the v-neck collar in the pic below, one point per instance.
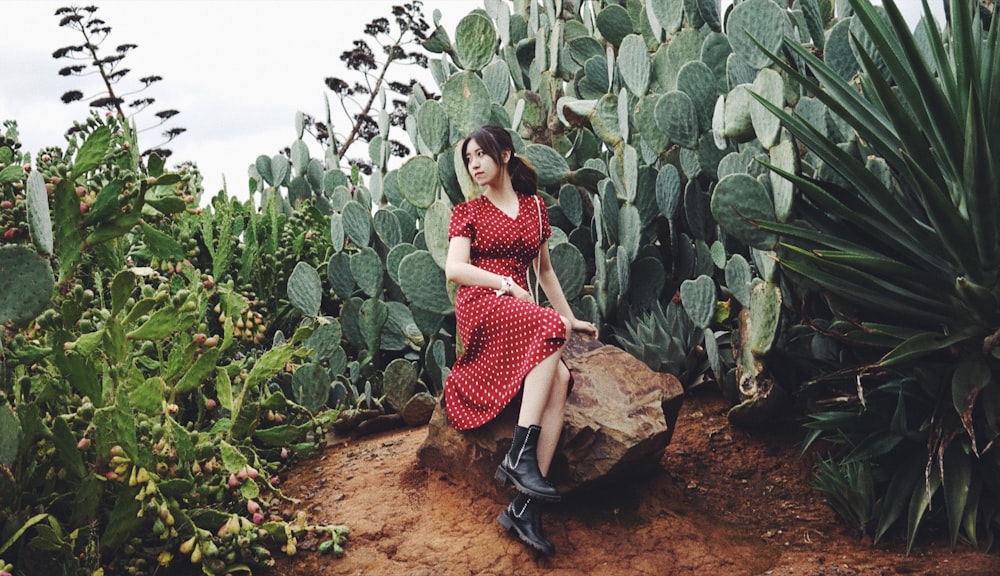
[(498, 209)]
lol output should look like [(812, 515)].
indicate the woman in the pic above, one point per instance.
[(511, 344)]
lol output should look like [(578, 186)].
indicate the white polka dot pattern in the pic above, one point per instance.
[(504, 337)]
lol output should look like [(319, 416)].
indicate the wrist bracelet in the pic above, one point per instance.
[(506, 284)]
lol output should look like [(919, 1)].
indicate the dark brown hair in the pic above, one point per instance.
[(494, 140)]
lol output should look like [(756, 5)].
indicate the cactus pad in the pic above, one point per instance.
[(305, 289), (760, 20), (738, 200), (475, 41), (26, 284), (419, 179), (39, 219)]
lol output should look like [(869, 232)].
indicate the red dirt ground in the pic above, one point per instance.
[(728, 501)]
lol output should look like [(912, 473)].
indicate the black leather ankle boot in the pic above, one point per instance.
[(523, 518), (520, 466)]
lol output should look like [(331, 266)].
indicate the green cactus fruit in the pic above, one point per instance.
[(423, 282), (39, 219), (387, 228), (475, 41), (760, 20), (366, 268), (357, 223), (419, 409), (436, 222), (467, 102), (26, 284), (325, 339), (769, 86), (393, 258), (738, 121), (338, 273), (432, 123), (305, 289), (10, 436), (311, 387), (677, 116), (633, 64), (400, 383), (784, 158), (371, 320), (614, 23), (839, 52), (738, 278), (738, 200), (697, 80), (698, 297)]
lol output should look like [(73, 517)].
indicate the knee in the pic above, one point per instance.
[(562, 380)]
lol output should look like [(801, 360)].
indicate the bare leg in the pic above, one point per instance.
[(552, 419), (537, 389)]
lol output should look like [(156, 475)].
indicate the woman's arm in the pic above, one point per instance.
[(459, 270)]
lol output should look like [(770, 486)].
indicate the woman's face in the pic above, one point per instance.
[(483, 169)]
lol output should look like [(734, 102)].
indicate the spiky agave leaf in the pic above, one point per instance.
[(910, 266)]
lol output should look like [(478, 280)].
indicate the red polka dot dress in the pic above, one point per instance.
[(504, 337)]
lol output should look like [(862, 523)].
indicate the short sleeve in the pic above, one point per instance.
[(461, 222), (543, 214)]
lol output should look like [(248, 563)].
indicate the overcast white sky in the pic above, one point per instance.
[(238, 71)]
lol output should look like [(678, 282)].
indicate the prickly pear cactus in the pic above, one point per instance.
[(26, 284)]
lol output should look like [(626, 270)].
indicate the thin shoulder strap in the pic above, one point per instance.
[(535, 262)]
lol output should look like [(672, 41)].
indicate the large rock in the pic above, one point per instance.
[(619, 418)]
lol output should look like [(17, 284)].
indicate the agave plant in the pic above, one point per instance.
[(666, 340), (897, 231)]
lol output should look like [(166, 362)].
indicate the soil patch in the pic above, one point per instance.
[(727, 501)]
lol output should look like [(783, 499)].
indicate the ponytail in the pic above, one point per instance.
[(522, 175)]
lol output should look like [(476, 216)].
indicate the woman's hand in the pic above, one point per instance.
[(520, 293), (585, 327)]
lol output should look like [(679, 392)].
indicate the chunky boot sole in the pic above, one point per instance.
[(503, 476), (512, 527)]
